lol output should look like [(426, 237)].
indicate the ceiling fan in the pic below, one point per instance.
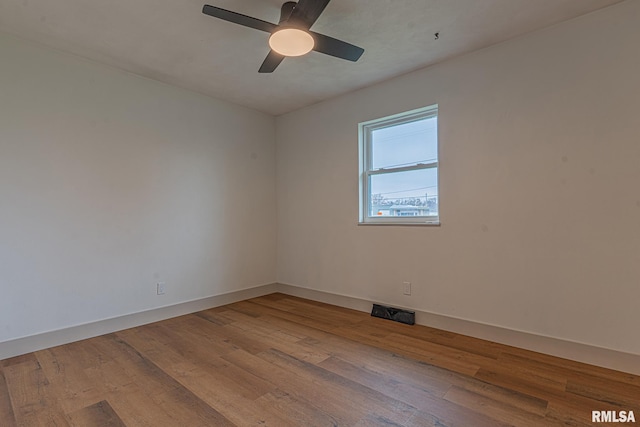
[(291, 36)]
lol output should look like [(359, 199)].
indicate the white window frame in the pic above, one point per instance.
[(365, 130)]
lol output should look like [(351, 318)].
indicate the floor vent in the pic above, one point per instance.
[(395, 314)]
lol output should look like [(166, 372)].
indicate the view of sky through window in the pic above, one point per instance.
[(399, 146)]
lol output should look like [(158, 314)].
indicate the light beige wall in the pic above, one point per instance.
[(110, 183), (540, 199)]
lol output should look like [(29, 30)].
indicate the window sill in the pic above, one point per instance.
[(401, 224)]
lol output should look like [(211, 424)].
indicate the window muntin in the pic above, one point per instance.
[(399, 168)]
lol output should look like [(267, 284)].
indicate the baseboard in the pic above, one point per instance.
[(54, 338), (593, 355), (585, 353)]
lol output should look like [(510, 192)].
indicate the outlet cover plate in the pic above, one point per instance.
[(406, 288)]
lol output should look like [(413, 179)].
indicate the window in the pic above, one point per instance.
[(399, 168)]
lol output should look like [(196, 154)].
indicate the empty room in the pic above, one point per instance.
[(319, 213)]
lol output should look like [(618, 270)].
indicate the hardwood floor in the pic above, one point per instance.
[(278, 360)]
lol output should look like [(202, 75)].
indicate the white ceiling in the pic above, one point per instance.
[(172, 41)]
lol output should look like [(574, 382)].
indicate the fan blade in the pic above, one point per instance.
[(238, 18), (306, 12), (271, 62), (334, 47)]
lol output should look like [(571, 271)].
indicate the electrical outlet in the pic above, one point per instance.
[(406, 288), (160, 288)]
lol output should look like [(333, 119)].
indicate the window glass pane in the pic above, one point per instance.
[(405, 144), (409, 193)]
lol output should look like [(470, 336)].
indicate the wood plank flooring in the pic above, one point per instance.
[(279, 360)]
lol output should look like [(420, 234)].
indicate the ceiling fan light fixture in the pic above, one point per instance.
[(291, 42)]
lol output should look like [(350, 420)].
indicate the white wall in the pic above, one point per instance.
[(540, 195), (110, 182)]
